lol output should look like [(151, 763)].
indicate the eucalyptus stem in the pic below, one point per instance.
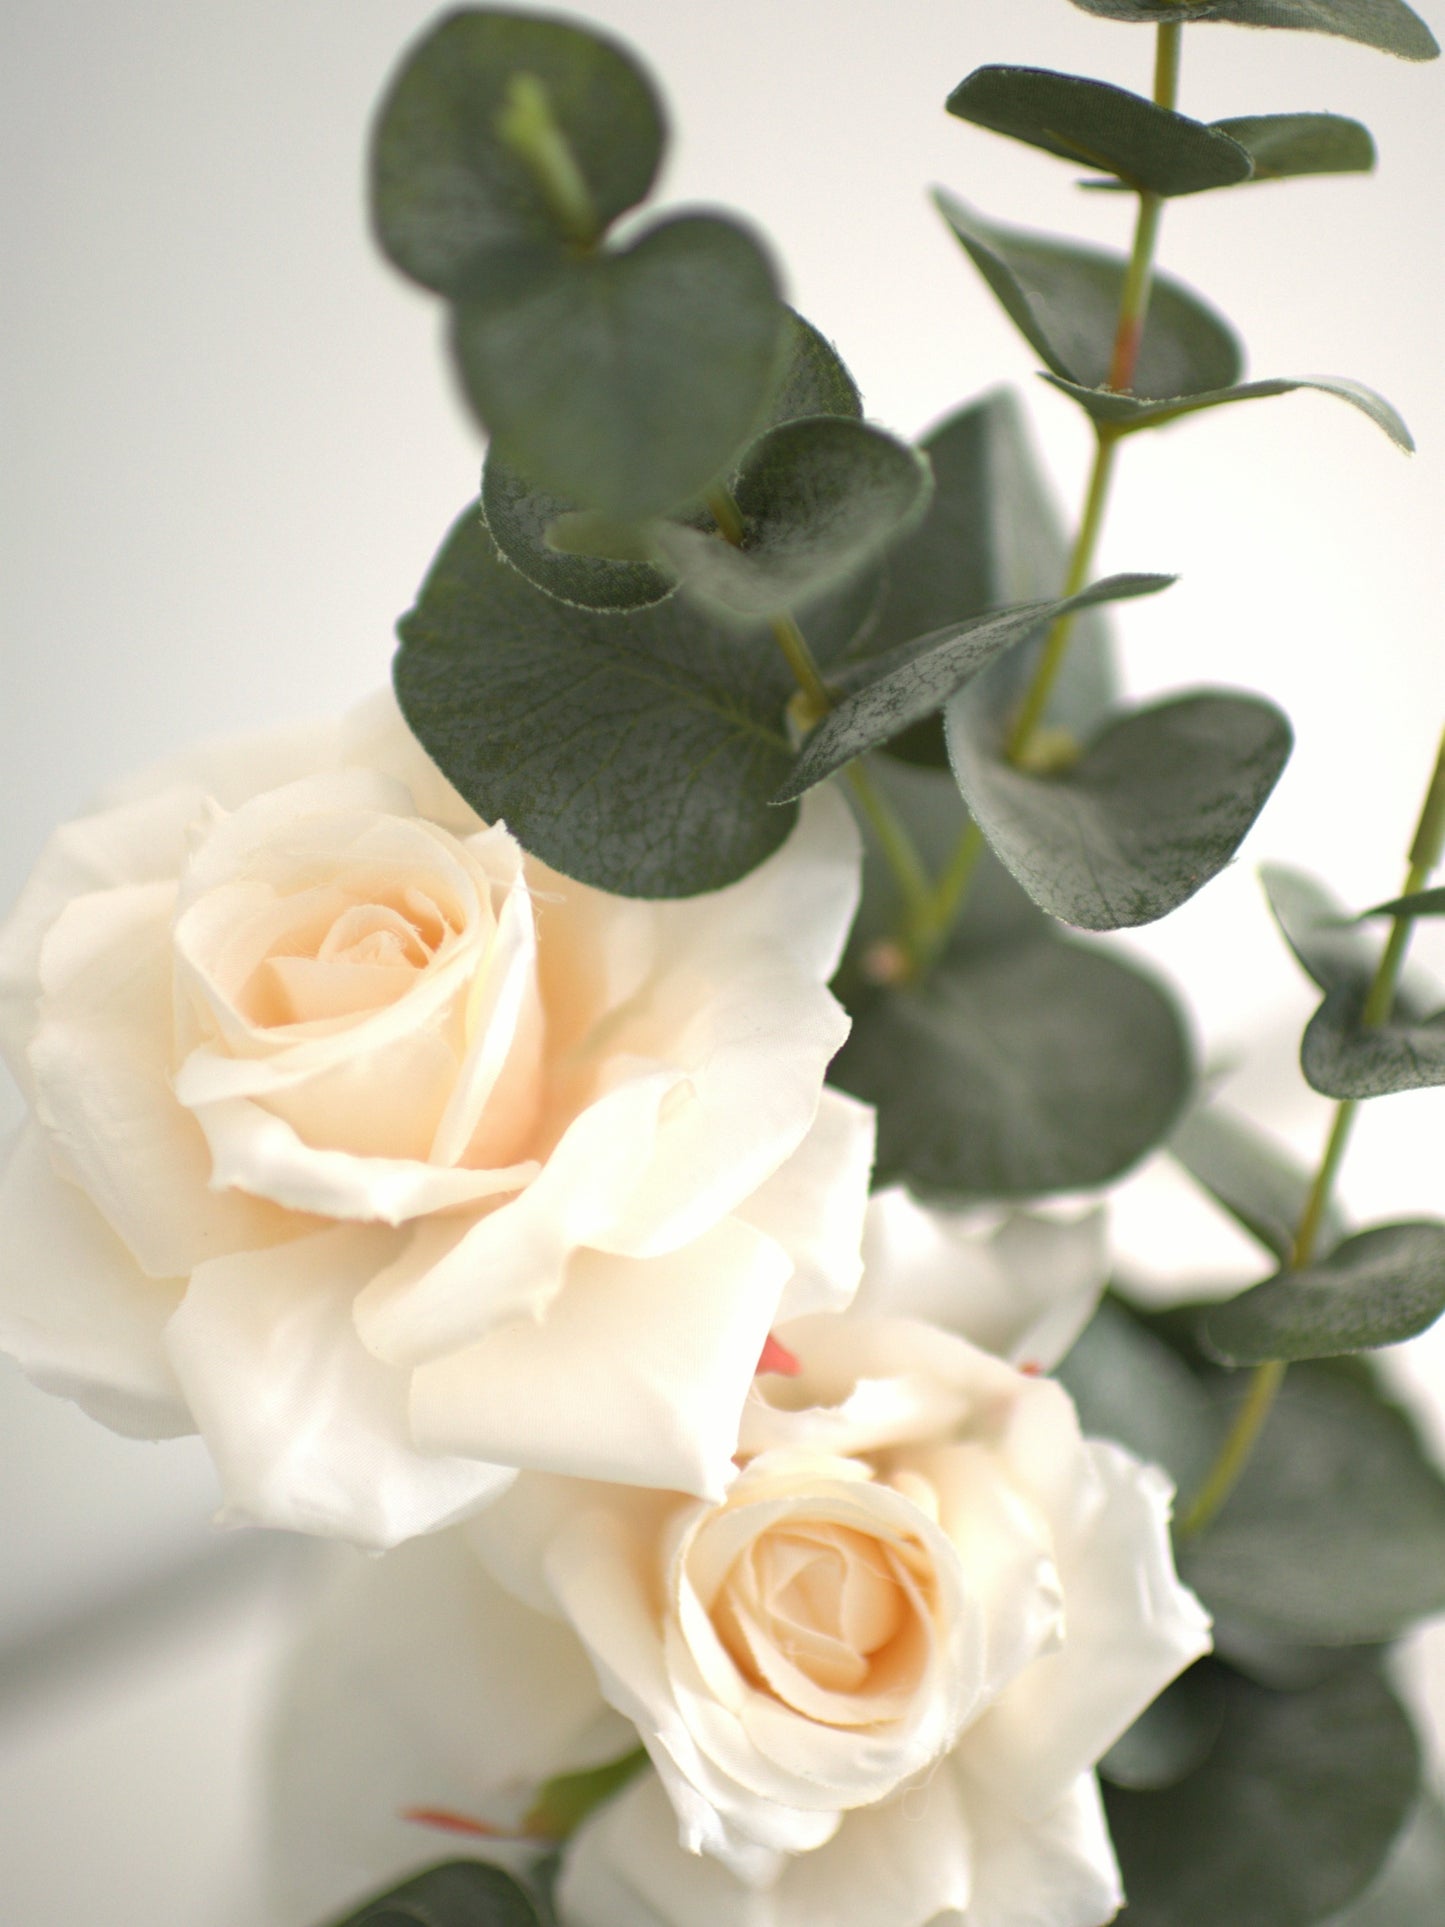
[(1239, 1442), (948, 897), (527, 125)]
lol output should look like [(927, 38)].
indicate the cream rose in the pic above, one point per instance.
[(392, 1161)]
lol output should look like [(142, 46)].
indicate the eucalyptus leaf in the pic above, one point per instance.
[(1155, 806), (1129, 1386), (1343, 1057), (1127, 414), (1318, 929), (449, 191), (634, 752), (458, 1893), (1380, 1287), (1335, 1533), (1257, 1183), (1096, 125), (1387, 24), (626, 381), (820, 500), (1172, 1738), (991, 539), (1413, 1879), (1291, 1815), (524, 519), (566, 1800), (1423, 903), (1064, 299), (884, 695), (1284, 146), (1027, 1067)]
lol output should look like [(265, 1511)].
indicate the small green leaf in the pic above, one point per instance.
[(1130, 1386), (1258, 1184), (1409, 1888), (459, 1893), (1290, 1816), (820, 500), (449, 191), (634, 752), (1318, 930), (1424, 903), (1387, 24), (992, 538), (1335, 1534), (1020, 1069), (884, 695), (1099, 126), (1127, 414), (626, 381), (563, 1803), (1156, 805), (1283, 146), (1064, 299), (1172, 1738), (1380, 1287), (1343, 1057)]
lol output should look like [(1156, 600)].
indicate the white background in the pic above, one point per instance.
[(231, 449)]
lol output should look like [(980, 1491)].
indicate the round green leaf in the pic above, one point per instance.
[(1283, 146), (1172, 1738), (1099, 126), (1290, 1816), (459, 1893), (1127, 414), (448, 191), (634, 752), (1064, 299), (1380, 1287), (1410, 1886), (1335, 1534), (1387, 24), (884, 695), (1156, 805), (1257, 1183), (1016, 1070), (1131, 1387), (1343, 1057), (626, 382), (1317, 929), (820, 499)]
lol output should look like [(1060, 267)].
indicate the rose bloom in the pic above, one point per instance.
[(873, 1679), (390, 1160)]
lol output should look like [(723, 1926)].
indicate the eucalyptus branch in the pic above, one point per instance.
[(1234, 1453)]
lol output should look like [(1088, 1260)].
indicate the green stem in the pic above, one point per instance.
[(527, 125), (1425, 855), (897, 847)]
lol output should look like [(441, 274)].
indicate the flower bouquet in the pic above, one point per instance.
[(616, 1126)]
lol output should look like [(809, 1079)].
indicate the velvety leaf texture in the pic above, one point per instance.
[(1064, 299), (1104, 127), (1157, 804), (1379, 1288), (1283, 146), (460, 1893), (1007, 1072), (1335, 1534), (1387, 24), (448, 192), (626, 381), (1257, 1183), (1128, 413), (1290, 1816), (634, 752)]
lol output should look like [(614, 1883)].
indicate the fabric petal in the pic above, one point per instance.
[(636, 1372), (1056, 1869), (1132, 1625), (814, 1206), (76, 1311), (307, 1429)]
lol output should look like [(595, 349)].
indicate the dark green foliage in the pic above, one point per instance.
[(1424, 903), (460, 1893), (1256, 1182), (1102, 127), (1408, 1891), (1064, 297), (886, 694), (1131, 1387), (1127, 414), (1387, 24), (1283, 146), (1172, 1738), (1155, 806), (1290, 1816), (1380, 1287)]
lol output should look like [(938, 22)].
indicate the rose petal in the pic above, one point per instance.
[(418, 1683), (1023, 1288), (1055, 1869), (814, 1206), (308, 1430), (231, 769), (664, 1347), (75, 1310), (1132, 1626)]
